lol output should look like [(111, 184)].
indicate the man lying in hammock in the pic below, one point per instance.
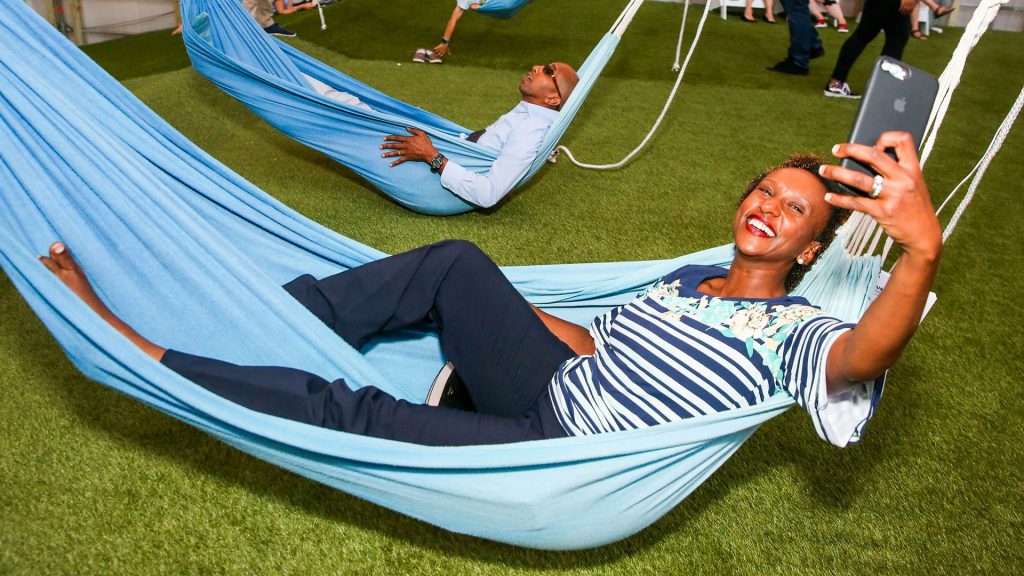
[(518, 135), (699, 341)]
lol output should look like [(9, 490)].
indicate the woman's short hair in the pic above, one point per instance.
[(810, 163)]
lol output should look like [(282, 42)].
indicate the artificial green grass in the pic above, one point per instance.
[(97, 483)]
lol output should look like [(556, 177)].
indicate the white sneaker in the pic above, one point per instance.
[(840, 90), (420, 56), (432, 57)]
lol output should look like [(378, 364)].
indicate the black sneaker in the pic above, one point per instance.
[(448, 391), (787, 66), (837, 89), (278, 30), (817, 52)]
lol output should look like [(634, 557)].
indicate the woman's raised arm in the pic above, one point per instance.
[(904, 210)]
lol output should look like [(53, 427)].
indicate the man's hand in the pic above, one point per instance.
[(906, 6), (441, 50), (417, 148)]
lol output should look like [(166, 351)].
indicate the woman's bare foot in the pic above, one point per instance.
[(67, 270), (64, 266)]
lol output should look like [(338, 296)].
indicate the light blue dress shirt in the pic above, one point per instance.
[(517, 136)]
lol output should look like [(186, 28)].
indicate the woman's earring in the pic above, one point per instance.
[(800, 260)]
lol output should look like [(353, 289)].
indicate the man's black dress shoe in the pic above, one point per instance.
[(787, 66)]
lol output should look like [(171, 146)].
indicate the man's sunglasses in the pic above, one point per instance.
[(549, 69)]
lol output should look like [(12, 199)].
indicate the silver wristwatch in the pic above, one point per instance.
[(436, 162)]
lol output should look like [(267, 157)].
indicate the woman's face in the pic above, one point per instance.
[(781, 218)]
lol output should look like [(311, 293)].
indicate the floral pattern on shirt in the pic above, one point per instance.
[(761, 326)]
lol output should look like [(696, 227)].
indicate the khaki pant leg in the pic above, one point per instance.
[(262, 11)]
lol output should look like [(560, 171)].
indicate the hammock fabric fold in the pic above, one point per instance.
[(154, 219), (267, 75), (502, 9)]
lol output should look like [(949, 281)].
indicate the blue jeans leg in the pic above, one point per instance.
[(803, 37)]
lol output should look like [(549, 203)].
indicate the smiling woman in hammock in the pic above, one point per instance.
[(700, 340)]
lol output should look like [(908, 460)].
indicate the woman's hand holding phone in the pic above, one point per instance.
[(903, 207)]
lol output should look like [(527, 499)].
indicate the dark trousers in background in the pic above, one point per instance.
[(503, 352), (803, 37), (878, 16)]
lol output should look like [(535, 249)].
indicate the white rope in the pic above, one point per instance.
[(993, 147), (664, 110), (983, 16), (682, 29), (625, 18), (320, 8)]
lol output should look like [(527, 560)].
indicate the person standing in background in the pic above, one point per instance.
[(804, 42), (262, 12), (891, 16)]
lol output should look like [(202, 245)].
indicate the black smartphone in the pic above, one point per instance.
[(898, 97)]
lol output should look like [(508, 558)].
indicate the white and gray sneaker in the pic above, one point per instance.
[(420, 56), (837, 89), (433, 58)]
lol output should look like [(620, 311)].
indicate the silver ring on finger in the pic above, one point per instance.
[(876, 186)]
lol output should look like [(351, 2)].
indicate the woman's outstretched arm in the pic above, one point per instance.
[(904, 210)]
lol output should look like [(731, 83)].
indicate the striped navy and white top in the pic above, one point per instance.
[(675, 353)]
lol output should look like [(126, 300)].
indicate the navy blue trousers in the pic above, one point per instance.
[(803, 37), (503, 352)]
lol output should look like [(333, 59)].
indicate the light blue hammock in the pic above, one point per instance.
[(193, 256), (267, 75), (502, 9)]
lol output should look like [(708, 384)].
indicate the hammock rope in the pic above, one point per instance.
[(682, 31), (664, 109), (979, 169), (320, 10)]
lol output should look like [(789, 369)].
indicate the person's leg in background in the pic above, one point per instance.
[(804, 42), (816, 14), (897, 31), (769, 12), (262, 12), (833, 9), (915, 24), (872, 20)]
